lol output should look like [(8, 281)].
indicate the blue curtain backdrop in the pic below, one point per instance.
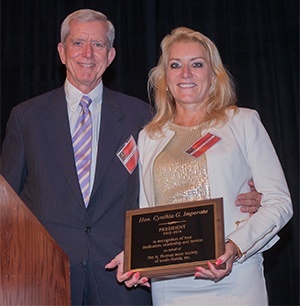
[(259, 44)]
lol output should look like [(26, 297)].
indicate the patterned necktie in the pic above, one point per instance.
[(82, 145)]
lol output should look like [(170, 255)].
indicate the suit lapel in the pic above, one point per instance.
[(111, 131), (57, 132)]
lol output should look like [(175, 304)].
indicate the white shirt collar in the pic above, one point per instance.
[(74, 95)]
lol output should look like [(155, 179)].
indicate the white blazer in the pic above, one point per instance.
[(245, 151)]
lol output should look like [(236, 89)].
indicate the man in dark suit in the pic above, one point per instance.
[(39, 160)]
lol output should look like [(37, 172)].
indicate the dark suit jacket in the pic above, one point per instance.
[(38, 162)]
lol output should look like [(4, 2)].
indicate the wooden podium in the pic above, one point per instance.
[(34, 269)]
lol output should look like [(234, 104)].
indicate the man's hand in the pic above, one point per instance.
[(249, 202)]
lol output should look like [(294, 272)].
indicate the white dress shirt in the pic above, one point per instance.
[(73, 97)]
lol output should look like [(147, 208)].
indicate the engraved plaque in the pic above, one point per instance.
[(173, 239)]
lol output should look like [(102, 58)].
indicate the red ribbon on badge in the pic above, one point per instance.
[(129, 154), (202, 145)]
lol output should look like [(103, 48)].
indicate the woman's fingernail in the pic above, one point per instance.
[(137, 275), (219, 262)]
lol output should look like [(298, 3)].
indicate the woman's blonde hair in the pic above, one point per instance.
[(222, 93)]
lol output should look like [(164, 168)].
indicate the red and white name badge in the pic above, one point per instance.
[(202, 145), (129, 154)]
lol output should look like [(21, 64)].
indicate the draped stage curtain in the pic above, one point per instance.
[(259, 44)]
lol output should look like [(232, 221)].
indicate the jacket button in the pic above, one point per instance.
[(83, 264), (88, 229)]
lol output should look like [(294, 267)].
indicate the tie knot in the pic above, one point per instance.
[(85, 101)]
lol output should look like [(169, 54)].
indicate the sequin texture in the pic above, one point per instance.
[(179, 177)]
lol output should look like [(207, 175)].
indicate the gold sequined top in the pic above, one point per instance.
[(179, 177)]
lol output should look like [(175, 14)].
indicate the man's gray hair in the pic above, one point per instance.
[(87, 15)]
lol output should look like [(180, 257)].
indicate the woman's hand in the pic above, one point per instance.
[(129, 278), (214, 273), (249, 202)]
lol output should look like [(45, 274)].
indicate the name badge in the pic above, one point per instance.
[(129, 154), (202, 145)]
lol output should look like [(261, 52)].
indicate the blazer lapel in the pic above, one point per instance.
[(57, 132), (111, 132)]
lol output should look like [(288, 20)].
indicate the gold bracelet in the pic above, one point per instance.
[(239, 254)]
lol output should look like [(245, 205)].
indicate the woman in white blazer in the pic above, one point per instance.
[(200, 145)]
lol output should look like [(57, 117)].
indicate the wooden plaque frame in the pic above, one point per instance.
[(170, 240)]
